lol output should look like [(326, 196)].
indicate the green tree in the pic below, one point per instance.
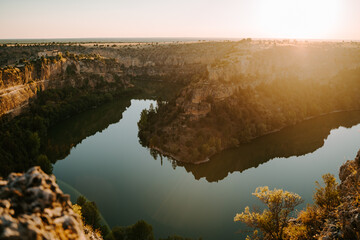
[(141, 230), (143, 122), (44, 163), (91, 214), (89, 211), (33, 143), (272, 221), (117, 233), (81, 200)]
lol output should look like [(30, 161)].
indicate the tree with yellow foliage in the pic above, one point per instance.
[(327, 197), (273, 220)]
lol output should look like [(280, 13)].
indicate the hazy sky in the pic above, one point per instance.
[(324, 19)]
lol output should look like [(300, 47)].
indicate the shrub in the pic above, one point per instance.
[(44, 163), (327, 197), (81, 200), (272, 221)]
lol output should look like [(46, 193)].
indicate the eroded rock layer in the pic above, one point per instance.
[(32, 206)]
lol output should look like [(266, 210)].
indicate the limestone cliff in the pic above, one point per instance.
[(20, 83), (259, 64), (32, 206)]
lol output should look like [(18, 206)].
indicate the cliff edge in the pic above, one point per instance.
[(344, 221)]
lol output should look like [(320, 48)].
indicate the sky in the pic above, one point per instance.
[(306, 19)]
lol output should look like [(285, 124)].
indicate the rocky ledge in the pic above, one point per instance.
[(32, 206), (344, 221)]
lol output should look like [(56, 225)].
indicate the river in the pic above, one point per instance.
[(98, 155)]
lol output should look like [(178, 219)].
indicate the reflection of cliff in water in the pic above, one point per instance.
[(70, 132), (297, 140)]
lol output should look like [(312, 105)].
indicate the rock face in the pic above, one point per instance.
[(19, 84), (32, 206), (345, 223), (349, 212)]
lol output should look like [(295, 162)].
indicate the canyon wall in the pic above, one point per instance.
[(20, 83)]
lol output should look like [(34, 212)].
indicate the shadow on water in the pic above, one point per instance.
[(297, 140), (71, 132)]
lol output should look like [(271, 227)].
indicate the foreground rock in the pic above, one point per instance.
[(32, 206)]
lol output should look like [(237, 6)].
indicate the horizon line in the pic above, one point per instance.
[(190, 38)]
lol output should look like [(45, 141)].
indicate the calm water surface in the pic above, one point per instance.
[(101, 158)]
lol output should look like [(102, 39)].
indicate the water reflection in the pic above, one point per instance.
[(71, 132), (296, 140)]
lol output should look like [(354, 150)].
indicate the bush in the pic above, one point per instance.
[(89, 212), (273, 220), (327, 197)]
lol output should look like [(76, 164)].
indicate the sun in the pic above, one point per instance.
[(306, 19)]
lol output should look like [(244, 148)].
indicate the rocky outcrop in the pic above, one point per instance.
[(344, 222), (196, 99), (32, 206)]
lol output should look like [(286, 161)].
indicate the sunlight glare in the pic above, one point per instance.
[(305, 19)]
